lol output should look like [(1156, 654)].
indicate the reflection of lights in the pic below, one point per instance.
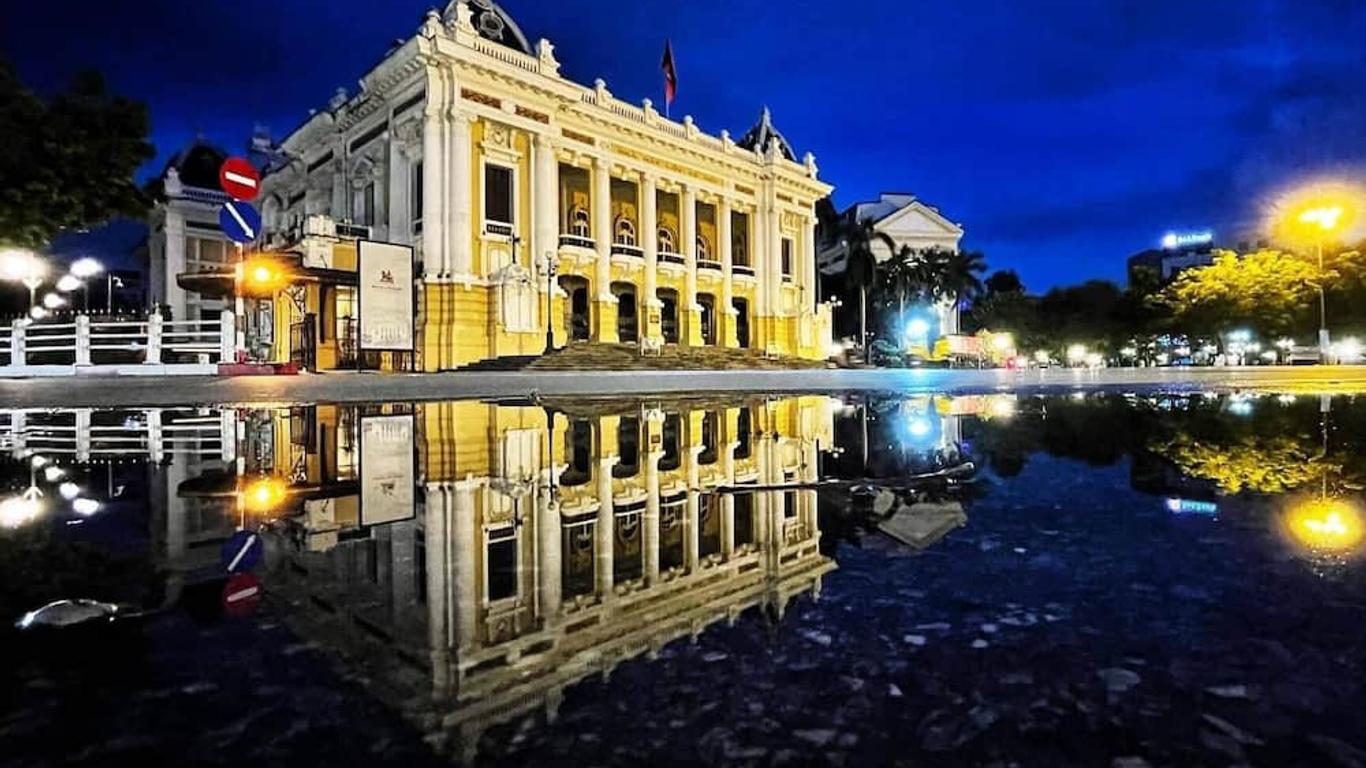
[(85, 507), (1042, 357), (1286, 399), (917, 329), (38, 313), (68, 283), (38, 462), (1269, 355), (1076, 353), (53, 301), (69, 490), (1286, 344), (53, 474), (1328, 525), (1348, 350), (18, 510), (920, 427), (87, 267), (1003, 342), (1002, 408), (1191, 507), (264, 494), (1129, 352), (1094, 360), (1240, 407)]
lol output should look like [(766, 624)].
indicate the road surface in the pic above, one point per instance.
[(358, 387)]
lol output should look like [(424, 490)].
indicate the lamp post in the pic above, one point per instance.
[(548, 266), (1325, 219), (83, 269)]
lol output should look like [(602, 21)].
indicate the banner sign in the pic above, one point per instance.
[(385, 272), (386, 469)]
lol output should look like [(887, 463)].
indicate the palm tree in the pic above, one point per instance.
[(857, 238), (955, 275)]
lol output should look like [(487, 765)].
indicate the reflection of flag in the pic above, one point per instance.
[(670, 74)]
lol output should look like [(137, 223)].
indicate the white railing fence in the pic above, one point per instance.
[(139, 345), (86, 434)]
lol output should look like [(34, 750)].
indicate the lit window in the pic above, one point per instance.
[(579, 225), (703, 249), (625, 231), (667, 243)]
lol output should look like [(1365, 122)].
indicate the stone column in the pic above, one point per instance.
[(175, 261), (462, 196), (726, 313), (605, 318), (400, 222), (690, 313), (758, 234), (435, 538), (549, 563), (433, 229), (545, 239), (808, 271), (606, 528), (775, 271), (648, 304), (465, 537)]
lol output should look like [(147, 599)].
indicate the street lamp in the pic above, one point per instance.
[(85, 268), (23, 267), (1327, 219), (1312, 215), (548, 267)]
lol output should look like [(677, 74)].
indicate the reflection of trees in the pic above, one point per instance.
[(1258, 463)]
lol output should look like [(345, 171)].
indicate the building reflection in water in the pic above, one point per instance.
[(470, 560)]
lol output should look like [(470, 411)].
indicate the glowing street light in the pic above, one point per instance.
[(86, 268), (53, 301), (69, 283), (1314, 214), (23, 267)]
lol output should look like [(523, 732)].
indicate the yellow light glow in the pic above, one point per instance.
[(264, 494), (261, 274), (1326, 525), (1312, 213)]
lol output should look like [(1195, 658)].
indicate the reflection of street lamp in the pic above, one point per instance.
[(23, 267)]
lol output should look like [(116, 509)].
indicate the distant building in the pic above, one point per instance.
[(1177, 254), (906, 221), (184, 233)]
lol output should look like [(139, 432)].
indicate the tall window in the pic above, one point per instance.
[(498, 194), (415, 195), (346, 311), (666, 241), (739, 239), (703, 249), (787, 258), (579, 224), (626, 231)]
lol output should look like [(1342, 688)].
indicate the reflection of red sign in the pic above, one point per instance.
[(241, 594), (239, 179)]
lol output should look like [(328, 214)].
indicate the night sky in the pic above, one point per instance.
[(1063, 135)]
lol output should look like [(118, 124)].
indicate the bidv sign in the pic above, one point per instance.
[(1173, 240)]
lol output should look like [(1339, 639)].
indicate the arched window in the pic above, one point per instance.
[(625, 231), (667, 243), (703, 249), (579, 225)]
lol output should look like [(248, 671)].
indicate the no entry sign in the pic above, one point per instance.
[(240, 222), (239, 179), (241, 594)]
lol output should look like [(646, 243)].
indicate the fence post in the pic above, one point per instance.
[(82, 339), (17, 332), (227, 337), (154, 322), (155, 436), (83, 434)]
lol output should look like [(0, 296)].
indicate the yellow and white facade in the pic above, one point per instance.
[(512, 182)]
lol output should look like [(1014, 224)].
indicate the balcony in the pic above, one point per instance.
[(577, 241), (672, 258), (742, 269), (632, 251), (714, 266), (499, 229)]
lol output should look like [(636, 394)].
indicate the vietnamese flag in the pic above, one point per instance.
[(670, 74)]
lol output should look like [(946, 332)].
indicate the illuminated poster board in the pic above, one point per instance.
[(385, 274), (386, 469)]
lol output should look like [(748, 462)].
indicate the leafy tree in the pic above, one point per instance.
[(1268, 291), (69, 161)]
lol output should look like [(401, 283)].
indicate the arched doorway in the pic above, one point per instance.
[(742, 321), (668, 315), (628, 316), (576, 306), (708, 304)]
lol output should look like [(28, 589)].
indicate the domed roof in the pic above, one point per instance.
[(198, 164), (759, 135), (493, 23)]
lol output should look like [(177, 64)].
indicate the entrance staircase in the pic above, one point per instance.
[(584, 356)]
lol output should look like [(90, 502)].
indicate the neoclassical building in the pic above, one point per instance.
[(511, 181)]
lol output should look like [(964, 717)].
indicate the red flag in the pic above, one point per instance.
[(670, 74)]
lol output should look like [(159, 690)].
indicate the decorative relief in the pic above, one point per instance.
[(659, 162), (532, 114), (481, 98), (579, 137)]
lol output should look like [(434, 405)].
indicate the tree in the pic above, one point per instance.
[(954, 274), (1267, 291), (67, 162)]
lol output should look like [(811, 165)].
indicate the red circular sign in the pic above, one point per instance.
[(241, 594), (239, 179)]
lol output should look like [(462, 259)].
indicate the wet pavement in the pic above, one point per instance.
[(1087, 580)]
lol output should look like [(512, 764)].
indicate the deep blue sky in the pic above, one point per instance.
[(1063, 135)]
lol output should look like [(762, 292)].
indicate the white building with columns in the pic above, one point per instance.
[(510, 180)]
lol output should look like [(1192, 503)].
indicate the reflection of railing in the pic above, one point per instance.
[(59, 349), (74, 432)]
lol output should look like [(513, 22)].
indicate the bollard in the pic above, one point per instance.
[(82, 339), (154, 323)]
